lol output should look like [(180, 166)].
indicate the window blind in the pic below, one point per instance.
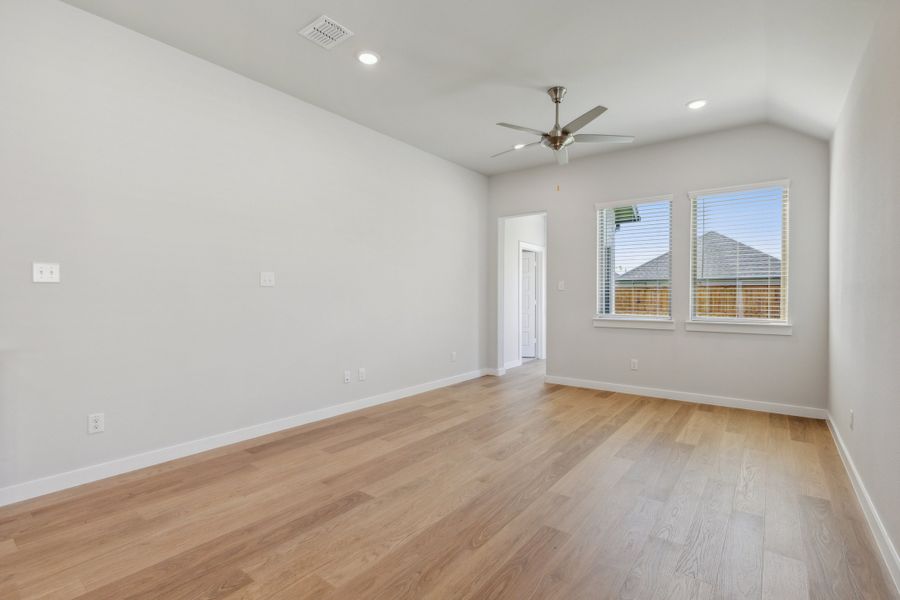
[(739, 253), (634, 265)]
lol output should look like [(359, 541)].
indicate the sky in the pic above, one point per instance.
[(752, 217)]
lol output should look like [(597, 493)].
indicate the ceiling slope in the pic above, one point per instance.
[(451, 70)]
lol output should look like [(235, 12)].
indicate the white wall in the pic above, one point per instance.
[(782, 369), (163, 185), (531, 229), (864, 328)]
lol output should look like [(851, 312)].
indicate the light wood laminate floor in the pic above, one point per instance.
[(494, 488)]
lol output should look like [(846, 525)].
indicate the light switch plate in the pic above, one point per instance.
[(267, 279), (45, 272), (561, 286)]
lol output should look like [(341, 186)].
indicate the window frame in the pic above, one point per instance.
[(632, 321), (781, 326)]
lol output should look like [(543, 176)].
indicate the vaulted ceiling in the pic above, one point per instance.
[(451, 69)]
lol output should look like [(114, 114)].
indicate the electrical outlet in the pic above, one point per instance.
[(45, 272), (453, 357), (634, 364), (267, 279), (362, 373), (851, 419), (347, 376), (96, 423)]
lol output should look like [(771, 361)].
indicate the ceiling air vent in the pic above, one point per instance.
[(326, 32)]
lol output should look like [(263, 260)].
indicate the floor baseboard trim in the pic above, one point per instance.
[(512, 364), (494, 372), (876, 525), (759, 405), (69, 479)]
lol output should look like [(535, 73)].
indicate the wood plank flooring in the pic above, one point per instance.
[(493, 488)]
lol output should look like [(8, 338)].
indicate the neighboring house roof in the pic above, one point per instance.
[(652, 270), (718, 257)]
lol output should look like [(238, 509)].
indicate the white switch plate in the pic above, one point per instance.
[(347, 376), (561, 286), (362, 373), (453, 357), (96, 423), (45, 272), (267, 279), (634, 364)]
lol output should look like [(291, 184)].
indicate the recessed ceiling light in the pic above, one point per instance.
[(367, 58), (696, 104), (518, 146)]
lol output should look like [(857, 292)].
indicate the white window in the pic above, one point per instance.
[(634, 260), (739, 254)]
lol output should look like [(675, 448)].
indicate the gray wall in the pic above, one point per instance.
[(163, 185), (782, 369), (864, 327)]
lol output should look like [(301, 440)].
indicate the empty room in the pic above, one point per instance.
[(391, 300)]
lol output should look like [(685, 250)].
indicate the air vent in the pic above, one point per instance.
[(326, 32)]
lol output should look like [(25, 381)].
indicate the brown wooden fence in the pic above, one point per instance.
[(756, 301)]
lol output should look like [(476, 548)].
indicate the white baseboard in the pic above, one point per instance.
[(876, 525), (61, 481), (512, 364), (760, 405), (494, 372)]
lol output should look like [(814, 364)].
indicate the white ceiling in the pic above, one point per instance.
[(451, 69)]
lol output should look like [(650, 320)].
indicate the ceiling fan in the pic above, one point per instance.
[(559, 138)]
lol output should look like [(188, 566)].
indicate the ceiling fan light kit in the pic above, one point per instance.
[(559, 138)]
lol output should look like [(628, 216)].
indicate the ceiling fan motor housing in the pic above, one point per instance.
[(557, 140)]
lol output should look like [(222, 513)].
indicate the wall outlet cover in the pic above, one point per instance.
[(96, 423), (267, 279), (45, 272)]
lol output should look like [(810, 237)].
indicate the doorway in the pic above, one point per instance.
[(521, 308)]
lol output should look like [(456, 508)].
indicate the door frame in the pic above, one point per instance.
[(540, 295), (501, 278)]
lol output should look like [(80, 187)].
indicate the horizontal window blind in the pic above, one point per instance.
[(739, 258), (634, 265)]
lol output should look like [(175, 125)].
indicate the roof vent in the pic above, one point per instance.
[(326, 32)]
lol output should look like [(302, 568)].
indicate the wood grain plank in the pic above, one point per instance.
[(826, 564), (520, 575), (740, 572), (783, 577)]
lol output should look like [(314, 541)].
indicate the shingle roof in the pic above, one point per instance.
[(652, 270), (718, 257)]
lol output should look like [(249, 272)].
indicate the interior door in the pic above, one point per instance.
[(528, 304)]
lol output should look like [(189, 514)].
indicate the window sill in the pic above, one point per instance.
[(740, 327), (625, 323)]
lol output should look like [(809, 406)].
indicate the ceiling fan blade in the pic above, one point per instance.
[(584, 119), (595, 138), (520, 128), (514, 149), (562, 156)]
